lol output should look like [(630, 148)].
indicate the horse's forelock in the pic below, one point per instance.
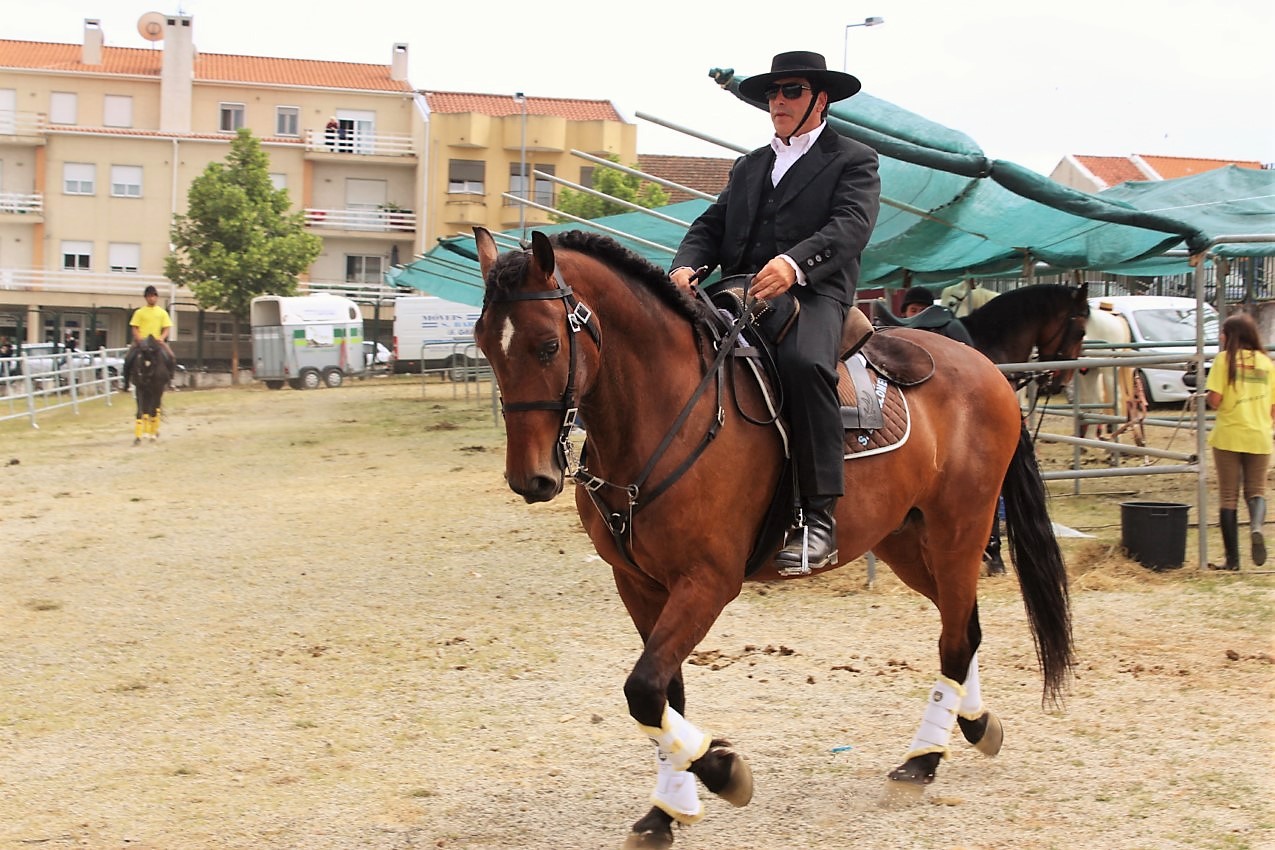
[(505, 276)]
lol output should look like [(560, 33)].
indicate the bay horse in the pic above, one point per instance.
[(1044, 320), (680, 467), (149, 378)]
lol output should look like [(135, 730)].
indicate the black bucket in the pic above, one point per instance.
[(1154, 533)]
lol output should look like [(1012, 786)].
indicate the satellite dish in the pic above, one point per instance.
[(151, 26)]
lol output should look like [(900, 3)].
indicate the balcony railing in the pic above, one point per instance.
[(371, 220), (116, 283), (92, 283), (360, 144), (16, 202), (21, 123)]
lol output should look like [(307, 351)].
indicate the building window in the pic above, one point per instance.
[(363, 269), (77, 256), (287, 121), (117, 111), (519, 183), (62, 107), (586, 176), (231, 117), (543, 189), (278, 180), (126, 181), (125, 257), (465, 176), (78, 178)]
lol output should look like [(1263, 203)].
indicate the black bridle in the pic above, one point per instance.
[(579, 317), (1055, 346)]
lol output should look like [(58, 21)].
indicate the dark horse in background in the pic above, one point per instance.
[(680, 471), (150, 377), (1043, 322)]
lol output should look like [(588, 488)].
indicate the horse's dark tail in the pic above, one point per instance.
[(1041, 572)]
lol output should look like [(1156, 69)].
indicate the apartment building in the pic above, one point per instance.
[(99, 144)]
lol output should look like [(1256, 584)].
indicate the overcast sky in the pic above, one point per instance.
[(1029, 83)]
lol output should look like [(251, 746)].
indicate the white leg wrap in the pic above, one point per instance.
[(938, 720), (972, 702), (675, 791), (678, 738)]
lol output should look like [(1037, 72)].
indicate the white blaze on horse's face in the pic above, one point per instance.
[(507, 335)]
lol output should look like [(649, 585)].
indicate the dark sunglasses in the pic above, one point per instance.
[(790, 91)]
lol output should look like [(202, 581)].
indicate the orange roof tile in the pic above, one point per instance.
[(1111, 170), (209, 67), (1171, 167), (705, 173), (499, 105)]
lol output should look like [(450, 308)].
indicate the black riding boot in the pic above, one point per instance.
[(992, 554), (1256, 519), (1228, 519), (813, 544)]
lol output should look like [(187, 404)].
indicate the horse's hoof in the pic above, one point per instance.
[(739, 788), (725, 772), (900, 794), (654, 831), (648, 841), (993, 736)]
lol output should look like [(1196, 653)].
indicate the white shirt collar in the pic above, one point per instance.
[(786, 155)]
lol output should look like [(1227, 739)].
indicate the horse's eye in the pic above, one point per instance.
[(547, 350)]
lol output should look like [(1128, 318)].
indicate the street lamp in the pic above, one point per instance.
[(521, 100), (845, 51)]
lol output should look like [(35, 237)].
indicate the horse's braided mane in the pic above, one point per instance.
[(507, 274)]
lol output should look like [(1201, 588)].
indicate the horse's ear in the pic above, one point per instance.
[(486, 245), (542, 253), (1084, 291)]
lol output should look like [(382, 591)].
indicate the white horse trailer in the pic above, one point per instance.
[(306, 341)]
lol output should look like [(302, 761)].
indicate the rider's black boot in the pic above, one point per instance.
[(992, 554), (813, 544)]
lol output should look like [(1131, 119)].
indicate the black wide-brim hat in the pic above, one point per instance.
[(802, 63)]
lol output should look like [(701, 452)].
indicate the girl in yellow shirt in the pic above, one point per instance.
[(1240, 390)]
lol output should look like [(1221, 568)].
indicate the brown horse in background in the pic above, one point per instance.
[(680, 470)]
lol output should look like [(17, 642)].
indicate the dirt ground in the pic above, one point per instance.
[(319, 620)]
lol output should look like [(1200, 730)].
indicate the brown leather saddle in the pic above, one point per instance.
[(875, 367)]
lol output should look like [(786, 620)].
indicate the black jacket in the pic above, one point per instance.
[(823, 219)]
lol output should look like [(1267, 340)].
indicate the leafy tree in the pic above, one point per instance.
[(237, 239), (617, 184)]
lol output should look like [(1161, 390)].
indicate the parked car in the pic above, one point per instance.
[(48, 358), (1172, 320), (377, 356)]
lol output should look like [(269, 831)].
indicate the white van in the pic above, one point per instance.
[(306, 341), (431, 334)]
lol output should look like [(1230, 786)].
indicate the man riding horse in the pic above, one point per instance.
[(149, 321), (797, 214)]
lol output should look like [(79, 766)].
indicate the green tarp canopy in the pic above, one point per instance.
[(949, 213)]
